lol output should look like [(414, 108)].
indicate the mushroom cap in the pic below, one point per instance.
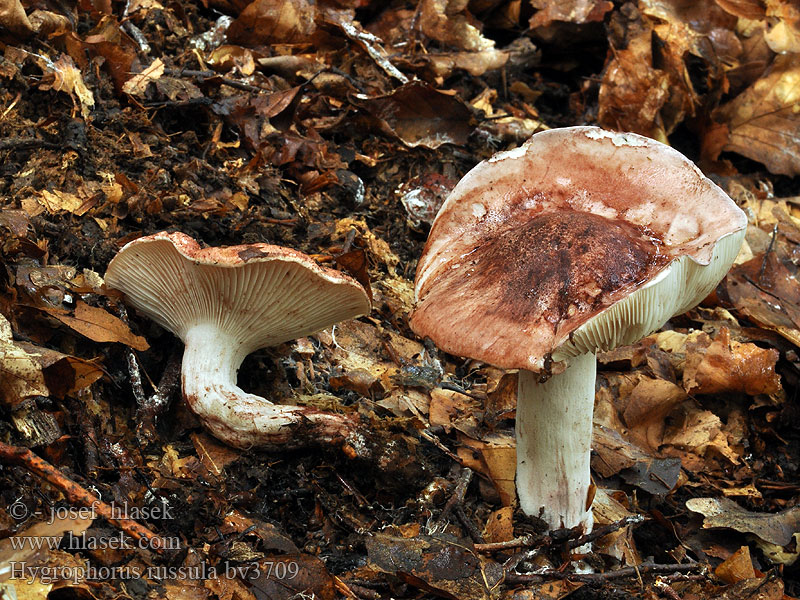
[(579, 240), (259, 294)]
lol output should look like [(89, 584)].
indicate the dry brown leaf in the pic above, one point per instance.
[(63, 76), (137, 85), (725, 366), (749, 9), (764, 120), (447, 567), (496, 457), (573, 11), (737, 567), (783, 33), (266, 22), (21, 375), (648, 405), (775, 528), (99, 325), (632, 92), (499, 525), (701, 433), (214, 455), (58, 201), (619, 544), (63, 374), (420, 115), (452, 409), (448, 22), (13, 18), (766, 290)]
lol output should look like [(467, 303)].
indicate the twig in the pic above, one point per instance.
[(464, 478), (26, 144), (666, 589), (605, 530), (531, 540), (438, 443), (150, 408), (77, 495), (595, 578)]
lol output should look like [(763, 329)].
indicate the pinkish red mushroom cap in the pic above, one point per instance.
[(261, 294), (534, 243)]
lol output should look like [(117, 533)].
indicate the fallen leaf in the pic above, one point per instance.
[(137, 85), (763, 121), (737, 567), (724, 365), (775, 528), (265, 22), (21, 375), (420, 115), (99, 325), (573, 11), (499, 525), (13, 18), (63, 76), (440, 564)]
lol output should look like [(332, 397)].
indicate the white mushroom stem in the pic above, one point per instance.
[(211, 361), (554, 441)]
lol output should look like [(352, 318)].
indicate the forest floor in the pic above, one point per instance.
[(337, 128)]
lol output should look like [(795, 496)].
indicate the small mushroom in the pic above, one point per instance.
[(579, 240), (224, 303)]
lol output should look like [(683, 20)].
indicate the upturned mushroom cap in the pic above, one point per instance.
[(579, 240), (261, 295)]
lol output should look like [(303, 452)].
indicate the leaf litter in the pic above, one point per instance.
[(338, 128)]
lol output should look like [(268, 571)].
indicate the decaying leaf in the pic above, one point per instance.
[(63, 76), (726, 365), (574, 11), (775, 528), (448, 21), (439, 564), (270, 21), (496, 457), (763, 121), (13, 18), (99, 325), (21, 375), (421, 116)]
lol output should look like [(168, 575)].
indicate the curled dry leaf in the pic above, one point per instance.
[(783, 33), (573, 11), (448, 22), (725, 365), (632, 92), (20, 374), (698, 436), (737, 567), (266, 22), (763, 121), (14, 19), (63, 76)]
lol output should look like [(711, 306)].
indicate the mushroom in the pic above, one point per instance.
[(579, 240), (224, 303)]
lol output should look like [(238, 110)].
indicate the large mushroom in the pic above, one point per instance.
[(224, 303), (579, 240)]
